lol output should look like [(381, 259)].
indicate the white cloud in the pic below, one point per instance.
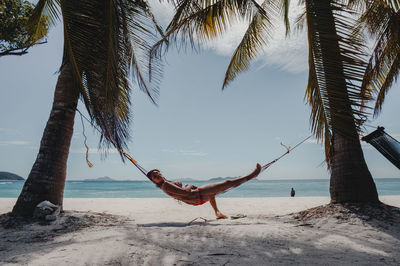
[(13, 142), (226, 44), (163, 11), (287, 54)]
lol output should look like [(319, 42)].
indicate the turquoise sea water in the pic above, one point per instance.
[(145, 189)]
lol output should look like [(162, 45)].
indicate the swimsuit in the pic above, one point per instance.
[(202, 201)]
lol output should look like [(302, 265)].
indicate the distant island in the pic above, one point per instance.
[(10, 176), (104, 178)]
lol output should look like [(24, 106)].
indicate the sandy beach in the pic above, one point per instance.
[(166, 232)]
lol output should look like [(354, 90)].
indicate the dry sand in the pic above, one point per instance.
[(165, 232)]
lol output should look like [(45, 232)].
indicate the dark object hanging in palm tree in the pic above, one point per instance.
[(385, 144)]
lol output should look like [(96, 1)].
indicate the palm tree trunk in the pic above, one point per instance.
[(47, 177), (350, 179)]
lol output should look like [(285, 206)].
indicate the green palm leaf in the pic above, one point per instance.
[(107, 42), (198, 21), (382, 22), (45, 11), (318, 116), (253, 42)]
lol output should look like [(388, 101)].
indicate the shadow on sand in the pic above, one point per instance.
[(292, 239)]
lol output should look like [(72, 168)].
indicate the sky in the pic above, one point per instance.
[(197, 130)]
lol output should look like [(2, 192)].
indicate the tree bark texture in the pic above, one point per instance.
[(350, 180), (47, 178)]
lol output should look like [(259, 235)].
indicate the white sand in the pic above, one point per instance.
[(157, 232)]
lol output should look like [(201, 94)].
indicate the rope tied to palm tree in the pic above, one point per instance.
[(134, 162), (85, 142), (288, 150)]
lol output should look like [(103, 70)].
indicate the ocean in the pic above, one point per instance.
[(145, 189)]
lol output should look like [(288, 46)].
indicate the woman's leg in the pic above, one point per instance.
[(217, 212), (211, 190), (216, 188)]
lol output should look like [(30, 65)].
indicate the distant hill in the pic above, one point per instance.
[(104, 178), (10, 176)]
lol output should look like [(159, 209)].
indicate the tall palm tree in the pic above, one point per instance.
[(105, 43), (336, 68)]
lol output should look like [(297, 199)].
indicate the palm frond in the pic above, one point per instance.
[(253, 42), (338, 62), (284, 10), (318, 117), (45, 12), (106, 42), (393, 4), (390, 78), (198, 21), (143, 29), (300, 21), (382, 23)]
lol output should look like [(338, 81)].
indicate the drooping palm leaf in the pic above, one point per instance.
[(45, 10), (253, 42), (107, 42), (318, 116), (198, 21), (284, 11), (338, 64), (383, 23), (104, 39)]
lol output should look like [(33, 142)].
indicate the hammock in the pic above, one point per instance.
[(263, 168), (144, 171), (385, 144)]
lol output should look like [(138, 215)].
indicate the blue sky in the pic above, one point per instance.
[(197, 131)]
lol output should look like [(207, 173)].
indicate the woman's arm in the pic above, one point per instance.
[(174, 190)]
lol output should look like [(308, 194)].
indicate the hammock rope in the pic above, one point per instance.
[(288, 150), (85, 143), (144, 171)]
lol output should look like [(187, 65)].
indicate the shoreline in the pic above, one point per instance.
[(147, 209)]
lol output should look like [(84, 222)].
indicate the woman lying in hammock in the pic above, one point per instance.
[(193, 195)]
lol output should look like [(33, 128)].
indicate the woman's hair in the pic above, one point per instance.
[(150, 172), (149, 176)]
